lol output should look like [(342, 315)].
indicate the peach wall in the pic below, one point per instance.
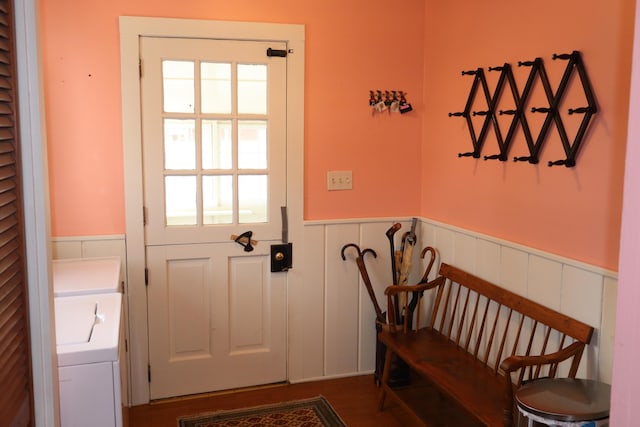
[(351, 47), (402, 165), (573, 212)]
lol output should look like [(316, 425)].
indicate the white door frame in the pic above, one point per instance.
[(35, 188), (131, 29)]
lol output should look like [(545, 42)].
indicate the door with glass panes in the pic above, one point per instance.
[(214, 160)]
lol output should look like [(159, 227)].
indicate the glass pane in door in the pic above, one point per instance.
[(252, 88), (252, 198), (252, 144), (179, 144), (217, 143), (215, 87), (178, 86), (180, 200), (217, 199)]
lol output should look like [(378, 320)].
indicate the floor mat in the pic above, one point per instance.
[(315, 412)]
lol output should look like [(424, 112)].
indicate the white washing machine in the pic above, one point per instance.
[(93, 372), (89, 346)]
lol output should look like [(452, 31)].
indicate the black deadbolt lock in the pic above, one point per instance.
[(281, 257)]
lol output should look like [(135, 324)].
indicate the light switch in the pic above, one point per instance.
[(339, 180)]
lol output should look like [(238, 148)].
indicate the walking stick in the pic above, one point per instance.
[(365, 277)]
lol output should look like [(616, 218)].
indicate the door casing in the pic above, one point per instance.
[(131, 29)]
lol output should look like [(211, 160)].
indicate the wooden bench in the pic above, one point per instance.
[(480, 343)]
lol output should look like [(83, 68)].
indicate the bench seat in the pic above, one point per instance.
[(454, 371)]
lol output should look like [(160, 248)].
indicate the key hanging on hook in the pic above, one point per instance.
[(404, 106)]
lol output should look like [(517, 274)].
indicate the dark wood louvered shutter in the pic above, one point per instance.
[(16, 391)]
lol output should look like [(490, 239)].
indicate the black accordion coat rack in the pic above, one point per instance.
[(518, 114)]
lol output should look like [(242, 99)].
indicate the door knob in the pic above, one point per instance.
[(281, 257)]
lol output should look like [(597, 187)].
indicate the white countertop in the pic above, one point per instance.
[(81, 276)]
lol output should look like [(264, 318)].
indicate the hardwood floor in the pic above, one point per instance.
[(353, 398)]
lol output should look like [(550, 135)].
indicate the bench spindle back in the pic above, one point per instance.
[(492, 323)]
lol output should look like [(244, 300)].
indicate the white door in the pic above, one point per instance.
[(214, 166)]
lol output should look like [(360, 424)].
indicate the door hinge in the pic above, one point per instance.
[(149, 372), (140, 67), (146, 276), (145, 212)]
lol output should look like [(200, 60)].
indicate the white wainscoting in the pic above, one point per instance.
[(332, 320), (347, 340), (89, 246)]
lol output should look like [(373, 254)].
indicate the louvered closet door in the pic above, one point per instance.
[(16, 398)]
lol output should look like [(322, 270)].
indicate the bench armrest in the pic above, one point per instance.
[(397, 293), (396, 289), (513, 363)]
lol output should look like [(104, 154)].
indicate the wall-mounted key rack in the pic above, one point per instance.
[(392, 101), (552, 111)]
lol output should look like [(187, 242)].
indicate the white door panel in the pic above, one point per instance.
[(214, 165), (216, 324)]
